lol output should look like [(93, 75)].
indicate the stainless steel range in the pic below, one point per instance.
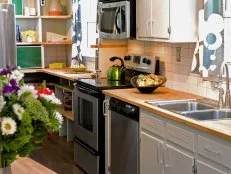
[(89, 123)]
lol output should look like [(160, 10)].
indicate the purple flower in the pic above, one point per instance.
[(5, 72), (7, 89), (14, 68), (13, 82)]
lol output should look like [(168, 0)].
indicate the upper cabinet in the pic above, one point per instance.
[(167, 20)]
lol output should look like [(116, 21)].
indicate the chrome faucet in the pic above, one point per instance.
[(221, 90)]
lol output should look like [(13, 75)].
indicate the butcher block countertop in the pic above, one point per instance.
[(221, 128), (65, 73), (29, 166)]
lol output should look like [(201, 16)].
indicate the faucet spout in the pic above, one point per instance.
[(221, 91)]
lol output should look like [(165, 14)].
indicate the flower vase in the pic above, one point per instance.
[(55, 8), (6, 170)]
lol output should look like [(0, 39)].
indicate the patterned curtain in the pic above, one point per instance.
[(77, 33), (209, 51)]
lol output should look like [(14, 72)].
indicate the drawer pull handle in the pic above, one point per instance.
[(211, 151), (166, 158), (159, 154)]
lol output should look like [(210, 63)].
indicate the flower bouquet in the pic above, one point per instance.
[(27, 115)]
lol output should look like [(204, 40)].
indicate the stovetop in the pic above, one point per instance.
[(135, 65), (103, 83)]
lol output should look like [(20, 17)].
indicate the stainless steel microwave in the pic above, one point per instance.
[(115, 20)]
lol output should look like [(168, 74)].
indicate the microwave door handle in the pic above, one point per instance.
[(98, 19), (117, 18)]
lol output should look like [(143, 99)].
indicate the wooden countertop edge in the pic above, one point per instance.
[(27, 165), (57, 72), (170, 115)]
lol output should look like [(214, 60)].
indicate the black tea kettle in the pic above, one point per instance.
[(116, 72)]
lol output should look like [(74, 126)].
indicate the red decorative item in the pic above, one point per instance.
[(55, 8)]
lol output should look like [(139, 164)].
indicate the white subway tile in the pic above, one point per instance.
[(197, 90), (179, 86), (184, 52), (212, 94), (167, 51)]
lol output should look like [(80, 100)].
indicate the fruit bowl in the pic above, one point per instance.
[(147, 89)]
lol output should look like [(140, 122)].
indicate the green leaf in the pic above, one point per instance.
[(39, 135), (8, 158), (27, 149), (17, 143)]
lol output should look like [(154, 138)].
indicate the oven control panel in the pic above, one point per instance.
[(141, 63)]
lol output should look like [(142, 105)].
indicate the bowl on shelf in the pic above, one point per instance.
[(78, 69), (147, 89)]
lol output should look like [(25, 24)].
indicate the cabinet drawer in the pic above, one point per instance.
[(214, 151), (152, 124), (180, 136), (29, 56)]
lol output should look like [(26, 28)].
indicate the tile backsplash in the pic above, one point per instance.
[(178, 73)]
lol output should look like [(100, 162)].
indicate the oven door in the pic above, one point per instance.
[(114, 20), (86, 114)]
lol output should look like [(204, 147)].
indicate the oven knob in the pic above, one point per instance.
[(144, 60), (149, 62), (127, 58)]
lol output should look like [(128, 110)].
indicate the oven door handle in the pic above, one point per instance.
[(87, 91), (84, 146)]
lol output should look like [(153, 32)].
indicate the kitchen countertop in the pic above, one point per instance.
[(65, 73), (27, 165), (221, 128)]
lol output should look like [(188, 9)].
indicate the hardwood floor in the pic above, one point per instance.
[(58, 155)]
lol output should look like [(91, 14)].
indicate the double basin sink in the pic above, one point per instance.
[(193, 109)]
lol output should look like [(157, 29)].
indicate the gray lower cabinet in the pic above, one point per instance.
[(169, 147), (203, 168), (159, 158), (151, 154), (157, 154), (177, 161)]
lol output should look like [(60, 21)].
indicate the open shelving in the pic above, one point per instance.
[(50, 32)]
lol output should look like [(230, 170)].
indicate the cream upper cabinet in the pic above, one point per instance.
[(167, 20), (143, 16)]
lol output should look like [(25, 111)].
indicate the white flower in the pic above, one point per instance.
[(8, 126), (2, 103), (18, 110), (59, 117), (27, 88), (51, 98), (17, 75)]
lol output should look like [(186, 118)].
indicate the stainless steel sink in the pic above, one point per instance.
[(208, 114), (181, 105), (193, 109)]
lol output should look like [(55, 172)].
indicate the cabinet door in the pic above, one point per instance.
[(203, 168), (151, 155), (176, 161), (143, 18), (160, 19)]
